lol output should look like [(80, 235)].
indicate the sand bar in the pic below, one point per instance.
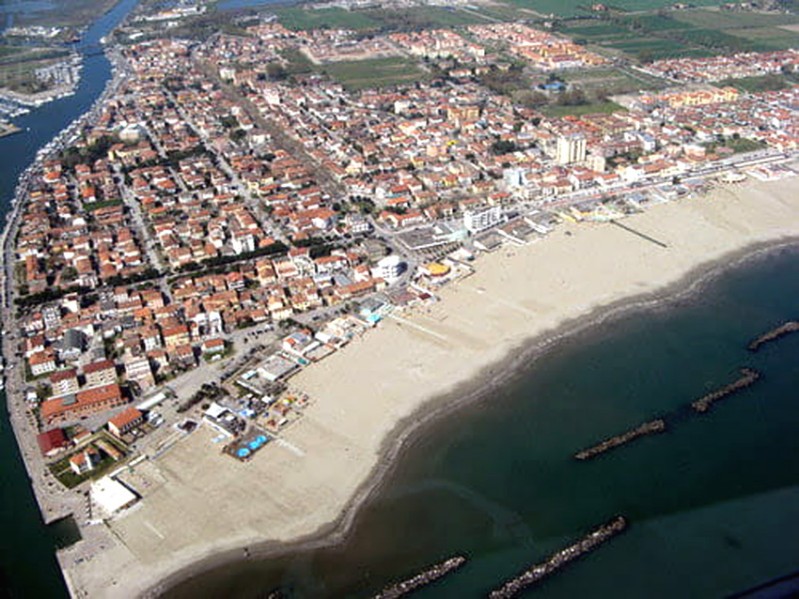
[(204, 506)]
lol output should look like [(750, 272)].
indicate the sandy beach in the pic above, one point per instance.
[(201, 507)]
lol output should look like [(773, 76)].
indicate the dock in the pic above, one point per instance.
[(8, 129), (422, 579), (749, 376), (556, 561), (790, 326), (652, 427)]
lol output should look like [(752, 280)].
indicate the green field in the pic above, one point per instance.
[(629, 36), (17, 67), (424, 17), (381, 72), (716, 19), (594, 108), (296, 62), (66, 13), (679, 34), (770, 38), (758, 84), (737, 146), (374, 19), (298, 18), (10, 51), (573, 8), (605, 82)]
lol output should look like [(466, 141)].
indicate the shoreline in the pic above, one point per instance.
[(476, 390)]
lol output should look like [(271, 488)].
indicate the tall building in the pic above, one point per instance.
[(389, 268), (569, 149), (480, 220)]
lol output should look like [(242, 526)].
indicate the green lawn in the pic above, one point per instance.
[(572, 8), (6, 50), (64, 473), (599, 107), (66, 13), (296, 62), (680, 34), (423, 17), (657, 22), (94, 206), (610, 81), (382, 72), (738, 146), (298, 18), (758, 84), (768, 38), (717, 19)]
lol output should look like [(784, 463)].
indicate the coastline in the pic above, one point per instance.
[(475, 391), (724, 233)]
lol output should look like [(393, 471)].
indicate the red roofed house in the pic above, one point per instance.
[(52, 441), (41, 363), (176, 336), (213, 346), (70, 408), (125, 421), (85, 461)]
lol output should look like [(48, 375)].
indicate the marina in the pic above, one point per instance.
[(422, 579), (790, 326), (539, 571), (749, 376), (648, 428)]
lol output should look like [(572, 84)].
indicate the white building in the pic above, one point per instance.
[(482, 219), (111, 496), (570, 149), (138, 369), (514, 177), (243, 243), (389, 268)]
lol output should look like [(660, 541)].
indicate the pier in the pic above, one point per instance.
[(647, 428), (785, 328), (538, 572), (422, 579), (749, 376)]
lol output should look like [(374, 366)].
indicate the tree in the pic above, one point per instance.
[(503, 146), (276, 71), (69, 274), (529, 99), (645, 55)]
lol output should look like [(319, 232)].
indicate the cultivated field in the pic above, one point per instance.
[(682, 34)]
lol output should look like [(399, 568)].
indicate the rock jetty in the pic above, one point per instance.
[(424, 578), (647, 428), (785, 328), (749, 376), (563, 557)]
